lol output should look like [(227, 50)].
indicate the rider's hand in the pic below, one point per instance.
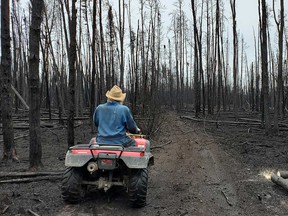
[(138, 130)]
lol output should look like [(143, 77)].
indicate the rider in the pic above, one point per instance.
[(113, 119)]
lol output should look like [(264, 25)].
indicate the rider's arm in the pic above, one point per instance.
[(95, 118), (131, 125)]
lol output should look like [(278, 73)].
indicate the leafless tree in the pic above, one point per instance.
[(235, 57), (264, 64), (9, 150), (35, 153), (279, 104), (72, 75)]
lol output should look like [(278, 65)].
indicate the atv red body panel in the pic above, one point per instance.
[(137, 157)]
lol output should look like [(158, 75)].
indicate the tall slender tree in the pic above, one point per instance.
[(9, 150), (121, 36), (264, 65), (72, 75), (279, 96), (92, 105), (34, 99), (197, 89), (235, 58)]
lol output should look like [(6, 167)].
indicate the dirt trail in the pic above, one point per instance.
[(187, 179), (198, 171), (200, 182)]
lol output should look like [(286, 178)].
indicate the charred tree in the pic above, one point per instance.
[(35, 153), (197, 82), (264, 65), (101, 80), (9, 150), (94, 68), (279, 108), (72, 76), (121, 36), (235, 58), (218, 55)]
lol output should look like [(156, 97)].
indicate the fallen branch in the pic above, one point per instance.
[(160, 146), (29, 174), (33, 179), (52, 119), (214, 121), (18, 137), (283, 174), (20, 97), (247, 122), (78, 124), (279, 181), (227, 200), (26, 126), (5, 209), (32, 212)]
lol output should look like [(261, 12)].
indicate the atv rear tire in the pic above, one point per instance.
[(72, 190), (137, 188)]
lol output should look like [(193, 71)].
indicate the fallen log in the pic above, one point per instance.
[(18, 137), (279, 181), (53, 119), (217, 121), (283, 174), (33, 179), (20, 97), (29, 174), (250, 122)]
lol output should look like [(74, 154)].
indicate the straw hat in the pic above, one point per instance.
[(116, 94)]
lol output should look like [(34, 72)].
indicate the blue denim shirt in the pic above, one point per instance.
[(113, 120)]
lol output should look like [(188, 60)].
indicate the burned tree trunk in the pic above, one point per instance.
[(92, 104), (279, 95), (34, 99), (72, 76), (9, 150), (235, 59), (264, 65)]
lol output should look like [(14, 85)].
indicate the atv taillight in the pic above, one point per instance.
[(80, 151), (105, 162)]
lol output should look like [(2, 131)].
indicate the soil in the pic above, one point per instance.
[(200, 168)]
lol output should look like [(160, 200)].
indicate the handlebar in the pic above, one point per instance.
[(136, 135)]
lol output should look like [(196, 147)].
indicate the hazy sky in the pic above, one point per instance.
[(246, 11), (247, 18)]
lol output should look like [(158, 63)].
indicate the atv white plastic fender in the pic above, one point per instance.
[(133, 157)]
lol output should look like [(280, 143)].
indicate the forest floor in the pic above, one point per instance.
[(201, 168)]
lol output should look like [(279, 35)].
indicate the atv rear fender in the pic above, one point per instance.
[(133, 157)]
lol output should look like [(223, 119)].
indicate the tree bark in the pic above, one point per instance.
[(235, 59), (9, 151), (279, 95), (35, 153), (92, 104), (72, 76), (264, 65), (280, 181)]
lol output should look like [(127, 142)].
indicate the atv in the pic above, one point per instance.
[(103, 166)]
